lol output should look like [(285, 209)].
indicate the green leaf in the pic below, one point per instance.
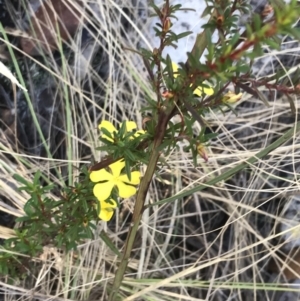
[(295, 32), (23, 218), (128, 170), (292, 103), (203, 39), (234, 39), (71, 245), (23, 248), (169, 68), (208, 137), (207, 11), (272, 43), (29, 209), (129, 155), (155, 8), (107, 133), (243, 68), (36, 179), (262, 97), (122, 130), (257, 23), (20, 179), (183, 35), (109, 243)]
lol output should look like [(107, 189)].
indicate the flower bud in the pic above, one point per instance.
[(155, 51), (167, 25), (167, 94), (202, 152), (220, 21)]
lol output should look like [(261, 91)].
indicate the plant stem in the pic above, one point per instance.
[(140, 201), (163, 120)]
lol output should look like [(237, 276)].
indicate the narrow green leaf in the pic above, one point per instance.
[(107, 133), (36, 179), (262, 97), (292, 103), (207, 11), (202, 40), (127, 170), (183, 35), (20, 179), (109, 243)]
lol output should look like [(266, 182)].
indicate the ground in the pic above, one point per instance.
[(226, 234)]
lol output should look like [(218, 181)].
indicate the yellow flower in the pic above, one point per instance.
[(107, 209), (130, 126), (199, 91), (231, 97), (107, 181)]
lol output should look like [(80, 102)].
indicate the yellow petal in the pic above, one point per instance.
[(206, 91), (130, 126), (100, 175), (231, 97), (138, 133), (135, 178), (107, 210), (107, 204), (125, 191), (102, 191), (106, 215), (116, 168), (175, 69), (109, 127)]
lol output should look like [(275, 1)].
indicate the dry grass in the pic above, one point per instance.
[(213, 245)]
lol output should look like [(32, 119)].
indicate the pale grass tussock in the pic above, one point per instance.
[(213, 245)]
